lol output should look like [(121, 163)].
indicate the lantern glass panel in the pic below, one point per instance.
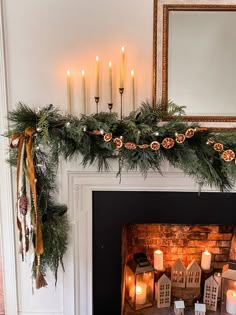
[(148, 278), (129, 286), (228, 290)]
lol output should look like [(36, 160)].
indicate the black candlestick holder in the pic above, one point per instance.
[(110, 105), (96, 101), (121, 91)]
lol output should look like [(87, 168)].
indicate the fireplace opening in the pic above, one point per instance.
[(176, 232)]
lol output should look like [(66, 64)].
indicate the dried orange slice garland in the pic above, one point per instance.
[(167, 143), (226, 155)]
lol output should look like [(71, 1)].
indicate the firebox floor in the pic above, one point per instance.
[(163, 311)]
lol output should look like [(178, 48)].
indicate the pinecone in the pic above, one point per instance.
[(23, 205)]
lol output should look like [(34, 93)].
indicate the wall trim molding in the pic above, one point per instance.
[(6, 196)]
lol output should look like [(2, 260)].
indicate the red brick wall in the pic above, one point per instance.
[(186, 242)]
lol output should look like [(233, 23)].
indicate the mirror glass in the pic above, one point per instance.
[(202, 61), (194, 58)]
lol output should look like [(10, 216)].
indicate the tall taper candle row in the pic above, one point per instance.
[(97, 86)]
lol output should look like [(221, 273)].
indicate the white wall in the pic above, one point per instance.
[(45, 38)]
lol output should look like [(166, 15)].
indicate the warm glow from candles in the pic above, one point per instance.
[(138, 289), (129, 278), (68, 72), (132, 73), (141, 293), (83, 73)]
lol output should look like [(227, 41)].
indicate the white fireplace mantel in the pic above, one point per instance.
[(77, 186)]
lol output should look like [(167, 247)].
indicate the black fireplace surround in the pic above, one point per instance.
[(112, 209)]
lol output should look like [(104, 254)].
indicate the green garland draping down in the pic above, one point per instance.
[(140, 141)]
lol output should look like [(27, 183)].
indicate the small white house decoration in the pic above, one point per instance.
[(178, 274), (193, 275), (211, 288), (200, 309), (163, 291), (179, 307)]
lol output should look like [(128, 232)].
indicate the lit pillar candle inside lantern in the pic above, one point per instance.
[(83, 90), (97, 78), (217, 277), (231, 302), (68, 91), (122, 67), (132, 88), (206, 260), (110, 82), (141, 293), (158, 260)]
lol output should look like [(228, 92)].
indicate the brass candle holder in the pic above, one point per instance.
[(110, 106), (96, 101), (121, 91)]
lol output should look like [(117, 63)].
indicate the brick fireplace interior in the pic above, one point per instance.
[(181, 224)]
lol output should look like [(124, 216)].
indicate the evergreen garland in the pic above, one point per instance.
[(94, 138)]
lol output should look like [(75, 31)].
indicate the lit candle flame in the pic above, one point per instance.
[(68, 72), (138, 289)]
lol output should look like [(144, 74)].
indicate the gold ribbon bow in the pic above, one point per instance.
[(17, 142)]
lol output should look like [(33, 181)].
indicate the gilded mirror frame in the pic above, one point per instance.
[(161, 9)]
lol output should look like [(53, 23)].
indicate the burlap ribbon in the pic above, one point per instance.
[(17, 141)]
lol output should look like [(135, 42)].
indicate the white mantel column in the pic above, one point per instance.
[(6, 201)]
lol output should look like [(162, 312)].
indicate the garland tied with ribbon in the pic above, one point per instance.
[(140, 141)]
